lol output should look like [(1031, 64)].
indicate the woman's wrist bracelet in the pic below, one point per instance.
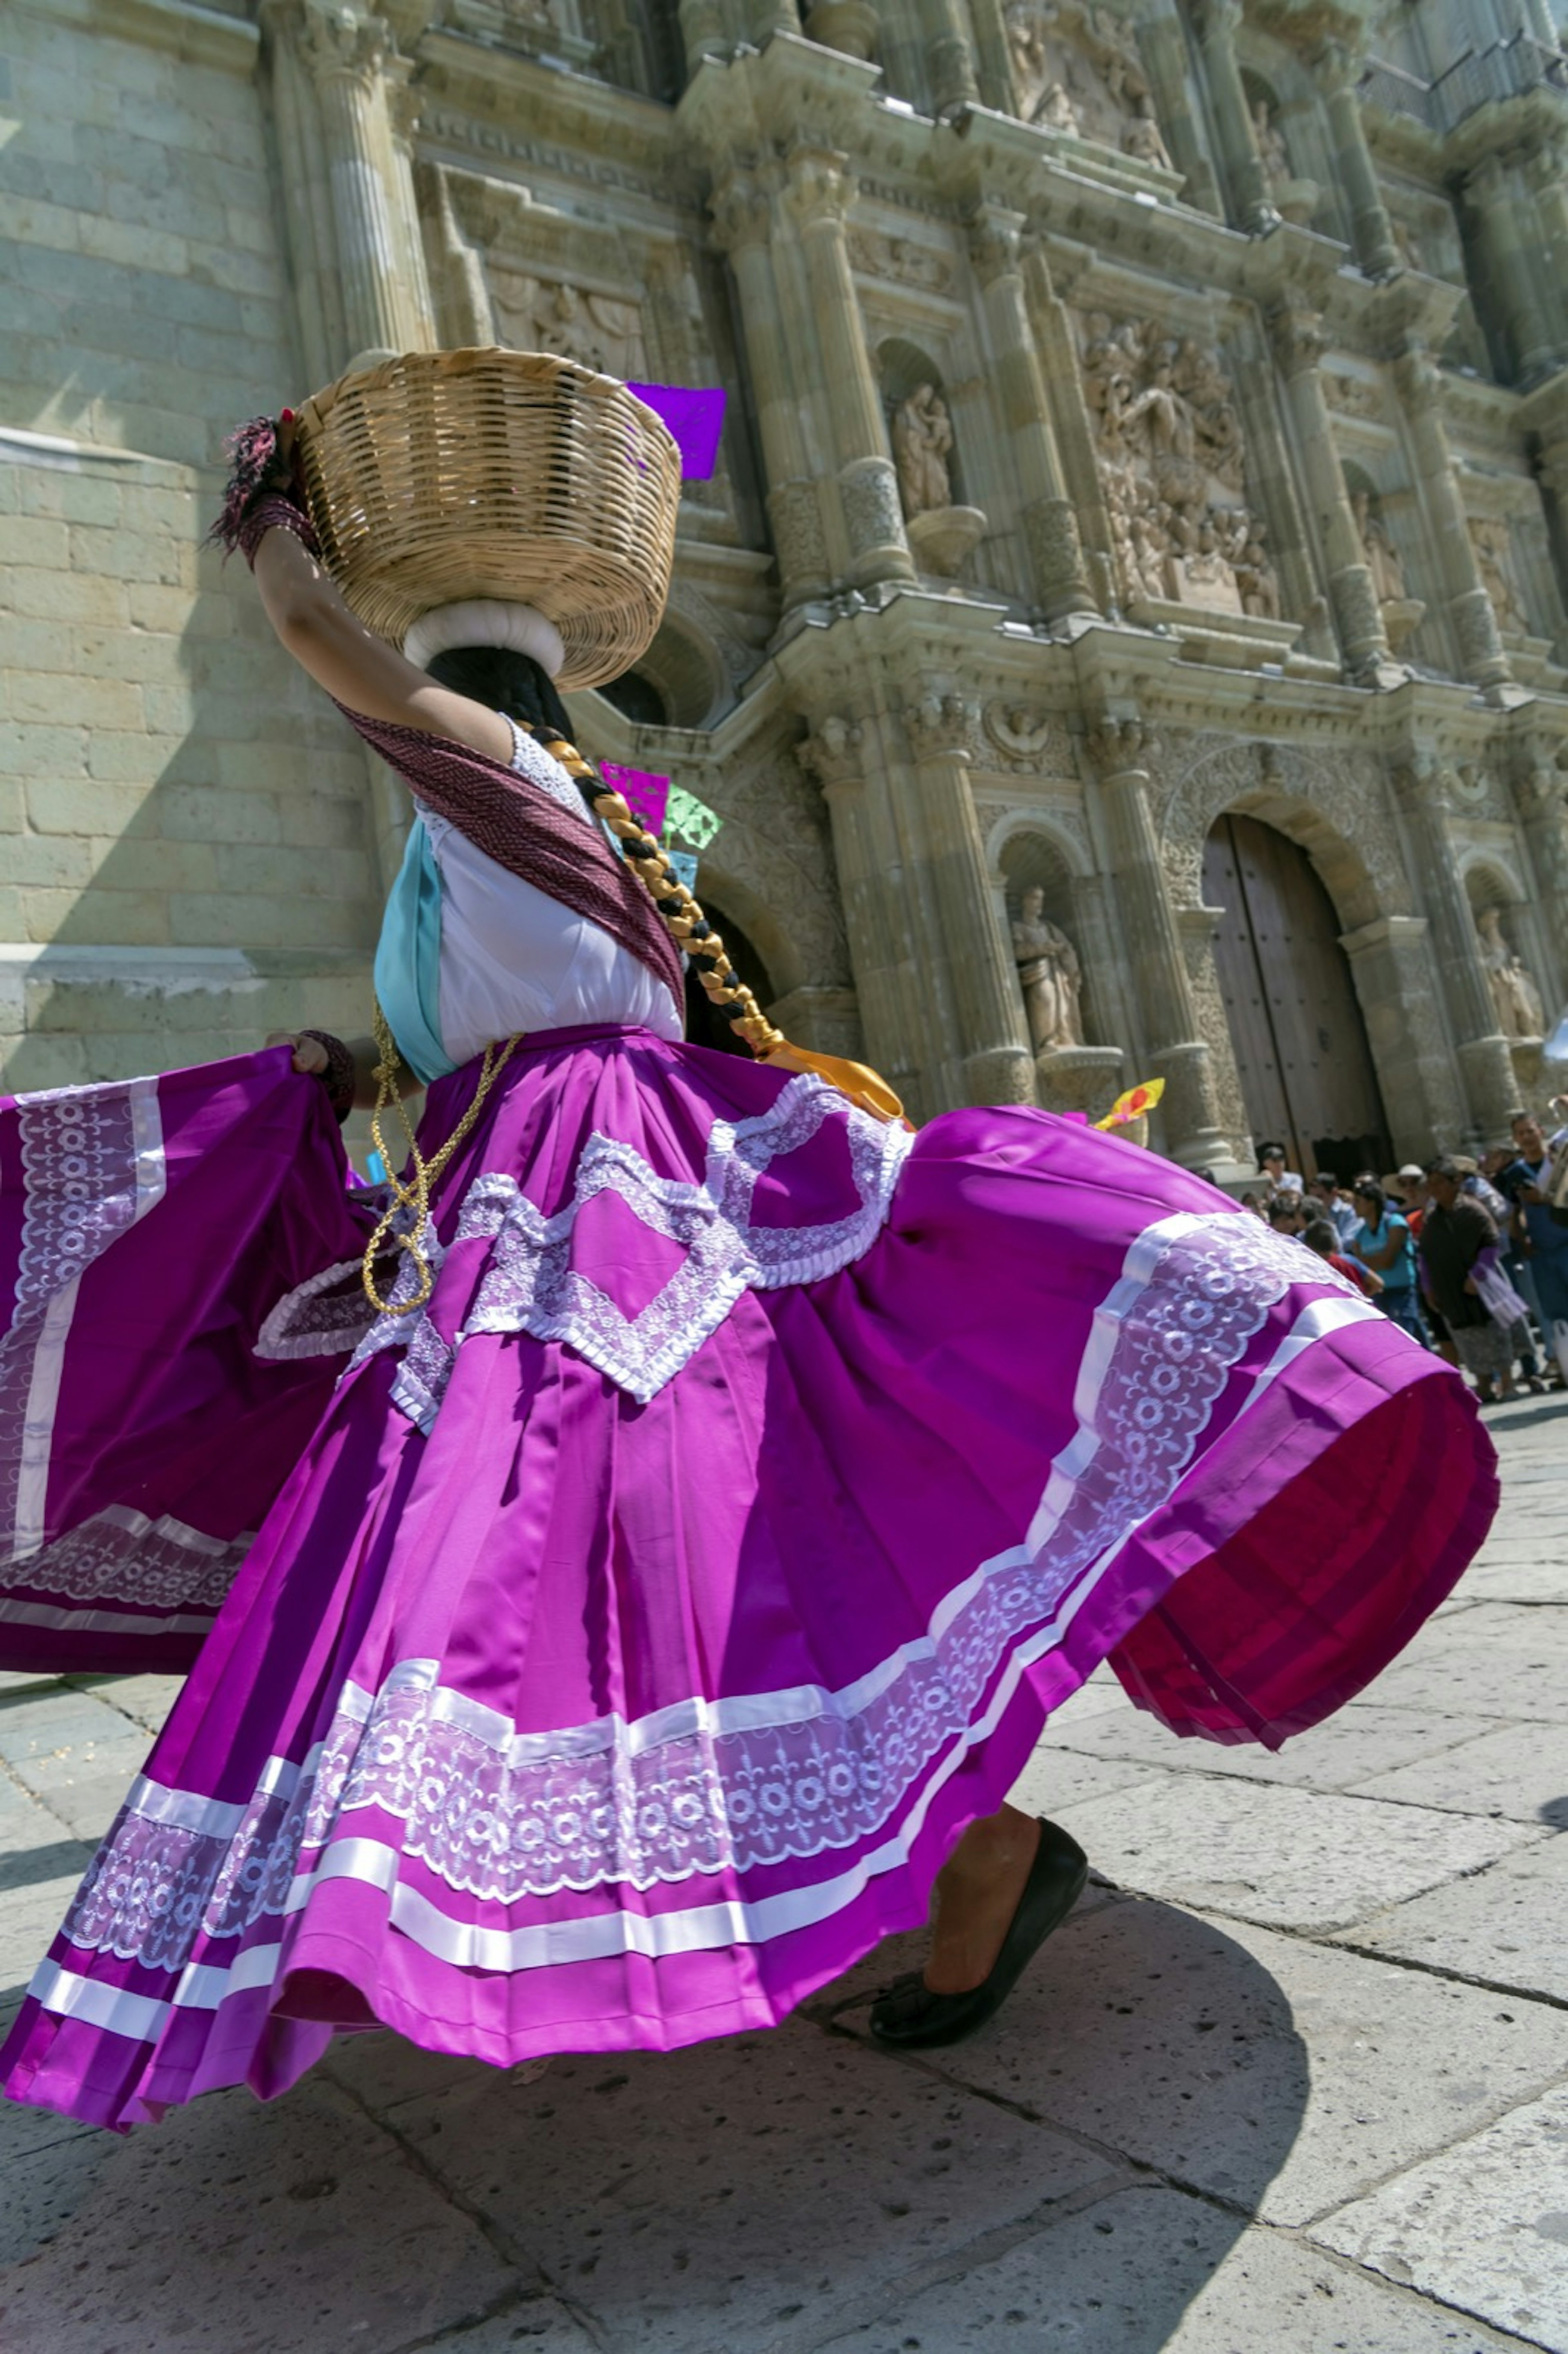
[(341, 1076)]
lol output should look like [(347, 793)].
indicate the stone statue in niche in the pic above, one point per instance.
[(922, 446), (1050, 975), (1026, 47), (1143, 140), (1493, 547), (1255, 578), (1384, 559), (1520, 1010), (1271, 146), (1057, 112)]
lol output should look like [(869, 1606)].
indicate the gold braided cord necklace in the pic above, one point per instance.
[(413, 1193)]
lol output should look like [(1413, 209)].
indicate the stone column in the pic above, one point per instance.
[(994, 1054), (993, 57), (1419, 382), (347, 51), (1371, 237), (819, 193), (949, 61), (1511, 273), (1050, 523), (743, 216), (1162, 40), (1176, 1050), (306, 207), (1540, 796), (414, 277), (871, 861), (1217, 21), (1484, 1060), (1546, 175), (1056, 355), (1299, 343), (703, 33)]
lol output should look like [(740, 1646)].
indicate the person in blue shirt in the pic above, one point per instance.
[(1383, 1242), (1526, 1182)]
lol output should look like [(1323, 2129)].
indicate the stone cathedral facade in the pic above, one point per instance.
[(1124, 634)]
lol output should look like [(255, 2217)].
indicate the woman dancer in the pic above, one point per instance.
[(655, 1599)]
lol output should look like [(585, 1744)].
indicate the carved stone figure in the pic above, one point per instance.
[(1050, 973), (922, 443), (1271, 146), (1520, 1010), (1057, 111), (1026, 47), (1384, 559), (1492, 547), (1143, 140), (1254, 575), (541, 314)]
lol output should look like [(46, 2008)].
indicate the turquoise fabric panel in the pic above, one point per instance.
[(409, 961)]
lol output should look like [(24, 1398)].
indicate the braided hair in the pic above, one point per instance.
[(516, 684)]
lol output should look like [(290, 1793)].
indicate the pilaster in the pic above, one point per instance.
[(1299, 342), (870, 857), (1180, 1055), (1338, 69), (819, 191), (1217, 22), (1050, 523), (1485, 1065), (1512, 280), (1419, 383), (994, 1054), (743, 219), (1540, 789)]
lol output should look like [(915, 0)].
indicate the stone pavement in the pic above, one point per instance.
[(1295, 2076)]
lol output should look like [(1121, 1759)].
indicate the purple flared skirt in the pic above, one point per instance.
[(607, 1652)]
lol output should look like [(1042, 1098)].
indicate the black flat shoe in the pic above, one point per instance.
[(908, 2017)]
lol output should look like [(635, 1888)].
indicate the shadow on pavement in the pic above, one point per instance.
[(757, 2196)]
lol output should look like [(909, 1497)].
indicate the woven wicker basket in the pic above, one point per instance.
[(493, 473)]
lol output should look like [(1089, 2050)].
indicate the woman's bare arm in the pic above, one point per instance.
[(357, 668)]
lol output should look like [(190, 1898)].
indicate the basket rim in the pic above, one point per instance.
[(465, 359)]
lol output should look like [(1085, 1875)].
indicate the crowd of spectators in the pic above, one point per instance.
[(1469, 1257)]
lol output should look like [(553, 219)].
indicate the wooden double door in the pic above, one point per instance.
[(1300, 1044)]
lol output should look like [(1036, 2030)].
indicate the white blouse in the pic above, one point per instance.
[(513, 957)]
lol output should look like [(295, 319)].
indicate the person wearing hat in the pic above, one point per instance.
[(682, 1493)]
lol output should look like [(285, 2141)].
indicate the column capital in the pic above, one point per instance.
[(1337, 68), (834, 755), (1546, 165), (1120, 748), (338, 40), (996, 241), (942, 727), (742, 212), (1300, 337), (819, 186)]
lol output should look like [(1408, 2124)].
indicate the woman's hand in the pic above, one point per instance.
[(311, 1059)]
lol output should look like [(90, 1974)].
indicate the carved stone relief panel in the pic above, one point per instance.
[(537, 313), (776, 839), (1076, 70), (1173, 469), (1026, 741), (1338, 804), (900, 260)]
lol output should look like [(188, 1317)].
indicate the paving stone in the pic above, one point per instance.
[(382, 2070), (1149, 2272), (536, 2326), (147, 1699), (1484, 2226), (1533, 1579), (29, 1920), (1504, 1927), (296, 2227), (1519, 1771), (1289, 1859), (55, 1724), (1258, 2069), (1360, 1740), (1057, 1778), (1498, 1660), (696, 2200)]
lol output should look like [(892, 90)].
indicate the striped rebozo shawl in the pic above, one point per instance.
[(530, 835)]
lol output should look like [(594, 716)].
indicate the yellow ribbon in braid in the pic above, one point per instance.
[(687, 924)]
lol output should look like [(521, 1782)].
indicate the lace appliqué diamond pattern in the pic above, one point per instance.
[(79, 1173), (530, 1284), (501, 1815)]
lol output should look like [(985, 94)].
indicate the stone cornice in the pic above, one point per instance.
[(530, 110), (196, 36)]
